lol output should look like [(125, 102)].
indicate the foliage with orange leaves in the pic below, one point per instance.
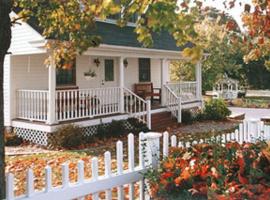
[(213, 171)]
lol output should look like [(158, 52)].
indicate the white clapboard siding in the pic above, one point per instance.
[(22, 36)]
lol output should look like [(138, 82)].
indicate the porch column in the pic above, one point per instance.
[(51, 116), (165, 77), (121, 84), (199, 80)]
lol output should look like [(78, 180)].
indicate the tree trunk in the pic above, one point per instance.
[(5, 40)]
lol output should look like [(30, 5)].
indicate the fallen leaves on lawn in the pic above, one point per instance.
[(18, 165)]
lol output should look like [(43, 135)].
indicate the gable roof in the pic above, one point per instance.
[(112, 34)]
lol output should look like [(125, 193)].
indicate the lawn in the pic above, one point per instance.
[(251, 102)]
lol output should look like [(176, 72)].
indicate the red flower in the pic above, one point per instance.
[(242, 179), (167, 175)]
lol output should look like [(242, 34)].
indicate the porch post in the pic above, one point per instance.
[(199, 80), (51, 116), (121, 84), (165, 77)]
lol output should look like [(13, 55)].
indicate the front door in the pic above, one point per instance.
[(108, 73)]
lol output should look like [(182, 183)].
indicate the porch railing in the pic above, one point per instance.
[(32, 104), (186, 90), (83, 103), (137, 107), (173, 102)]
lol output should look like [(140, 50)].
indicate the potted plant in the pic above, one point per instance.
[(90, 75)]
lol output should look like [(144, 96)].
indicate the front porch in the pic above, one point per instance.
[(75, 105), (39, 99)]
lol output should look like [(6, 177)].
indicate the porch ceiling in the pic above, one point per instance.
[(133, 52)]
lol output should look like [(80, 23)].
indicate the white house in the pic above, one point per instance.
[(39, 98)]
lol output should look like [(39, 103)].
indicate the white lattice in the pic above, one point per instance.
[(35, 136), (44, 138)]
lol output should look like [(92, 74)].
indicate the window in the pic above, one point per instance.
[(65, 77), (109, 70), (144, 70)]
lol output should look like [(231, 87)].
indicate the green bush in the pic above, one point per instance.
[(187, 117), (102, 131), (116, 128), (216, 109), (68, 136), (13, 140), (137, 126)]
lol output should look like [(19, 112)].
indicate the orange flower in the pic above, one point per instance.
[(185, 174), (204, 170), (178, 181), (168, 164), (164, 182), (214, 186), (181, 163)]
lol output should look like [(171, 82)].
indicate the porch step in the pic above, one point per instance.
[(161, 121)]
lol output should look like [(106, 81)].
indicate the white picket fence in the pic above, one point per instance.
[(148, 156)]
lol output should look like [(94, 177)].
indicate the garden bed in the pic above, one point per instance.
[(213, 171)]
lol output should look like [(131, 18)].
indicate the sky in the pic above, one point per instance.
[(234, 12)]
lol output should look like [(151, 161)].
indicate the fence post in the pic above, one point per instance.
[(165, 144), (179, 108), (148, 110), (253, 129), (152, 149)]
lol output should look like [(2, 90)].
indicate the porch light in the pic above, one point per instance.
[(97, 62), (125, 62)]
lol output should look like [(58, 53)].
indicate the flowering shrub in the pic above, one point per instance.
[(213, 171)]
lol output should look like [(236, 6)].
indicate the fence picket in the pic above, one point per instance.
[(30, 183), (80, 171), (119, 157), (94, 166), (131, 163), (108, 171), (165, 144), (141, 163), (173, 141), (10, 186), (48, 179), (65, 175)]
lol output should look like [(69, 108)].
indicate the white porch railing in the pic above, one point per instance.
[(173, 102), (83, 103), (148, 156), (32, 104), (137, 107), (186, 90)]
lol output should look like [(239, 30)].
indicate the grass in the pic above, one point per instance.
[(251, 102)]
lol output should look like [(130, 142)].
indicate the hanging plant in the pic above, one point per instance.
[(91, 74)]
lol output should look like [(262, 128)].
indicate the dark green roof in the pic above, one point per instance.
[(112, 34)]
